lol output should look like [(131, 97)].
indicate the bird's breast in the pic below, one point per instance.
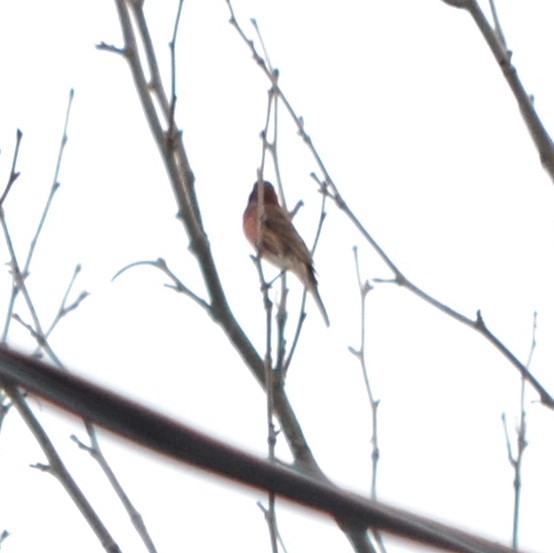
[(250, 224)]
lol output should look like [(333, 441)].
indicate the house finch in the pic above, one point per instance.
[(280, 243)]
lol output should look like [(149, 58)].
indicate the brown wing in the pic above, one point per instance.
[(280, 238)]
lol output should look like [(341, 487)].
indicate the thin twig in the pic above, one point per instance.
[(66, 308), (19, 284), (57, 468), (302, 315), (516, 460), (155, 85), (54, 187), (172, 127), (111, 48), (270, 378), (364, 287), (260, 38), (11, 179), (278, 534), (271, 433), (497, 26), (13, 173), (96, 453), (271, 146), (268, 364), (177, 285)]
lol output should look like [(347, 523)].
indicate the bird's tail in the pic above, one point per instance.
[(306, 273), (319, 301)]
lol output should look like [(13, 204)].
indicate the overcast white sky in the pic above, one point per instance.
[(423, 138)]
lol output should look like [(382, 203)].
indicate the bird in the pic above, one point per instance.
[(280, 243)]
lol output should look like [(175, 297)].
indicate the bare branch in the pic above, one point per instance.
[(266, 513), (172, 44), (497, 26), (20, 275), (156, 84), (20, 286), (302, 316), (496, 41), (111, 48), (262, 43), (516, 460), (54, 187), (57, 468), (96, 453), (13, 174), (66, 308), (11, 179), (177, 284), (364, 288)]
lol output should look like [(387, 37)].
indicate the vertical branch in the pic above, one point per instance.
[(516, 460), (54, 187), (364, 288), (269, 384), (96, 452), (271, 434), (19, 285), (11, 179), (172, 127), (278, 536), (268, 363), (271, 146), (13, 173), (302, 317), (155, 84)]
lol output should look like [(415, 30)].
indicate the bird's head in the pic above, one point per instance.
[(269, 194)]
